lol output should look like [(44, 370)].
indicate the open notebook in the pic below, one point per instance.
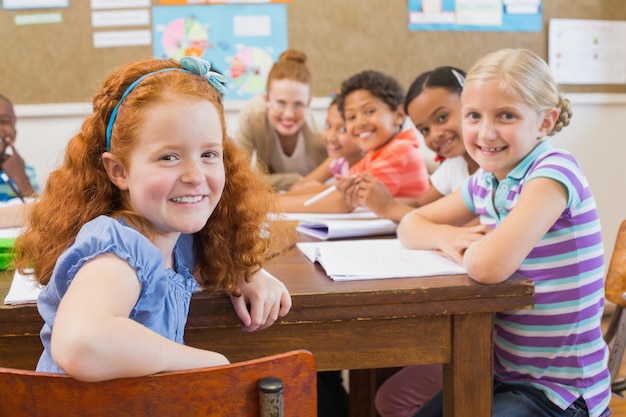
[(376, 259)]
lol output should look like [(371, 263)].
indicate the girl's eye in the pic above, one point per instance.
[(350, 117), (370, 111), (473, 116), (327, 125), (508, 116), (210, 155), (442, 118), (342, 130), (168, 158), (424, 131)]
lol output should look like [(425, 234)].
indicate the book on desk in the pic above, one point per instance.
[(327, 226)]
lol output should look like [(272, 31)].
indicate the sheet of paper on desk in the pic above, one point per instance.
[(10, 232), (24, 289), (348, 260), (357, 214), (340, 229)]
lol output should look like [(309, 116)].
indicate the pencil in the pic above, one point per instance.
[(321, 195), (253, 159)]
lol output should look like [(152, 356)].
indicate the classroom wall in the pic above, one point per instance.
[(57, 63), (595, 136)]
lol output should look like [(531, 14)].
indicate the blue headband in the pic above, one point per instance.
[(190, 64)]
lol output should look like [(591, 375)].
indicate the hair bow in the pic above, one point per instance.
[(202, 68)]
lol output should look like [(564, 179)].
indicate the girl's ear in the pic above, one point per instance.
[(399, 116), (550, 118), (115, 170)]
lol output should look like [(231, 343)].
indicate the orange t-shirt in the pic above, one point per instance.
[(398, 164)]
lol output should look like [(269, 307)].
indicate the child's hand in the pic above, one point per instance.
[(348, 188), (268, 298), (374, 195), (458, 239)]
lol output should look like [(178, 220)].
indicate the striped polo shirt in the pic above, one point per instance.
[(398, 164), (557, 346)]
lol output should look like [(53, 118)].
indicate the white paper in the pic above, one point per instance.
[(479, 12), (587, 51), (34, 4), (119, 4), (339, 229), (10, 232), (360, 213), (376, 259), (247, 25), (122, 38), (140, 17), (24, 289)]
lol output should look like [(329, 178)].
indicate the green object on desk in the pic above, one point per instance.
[(6, 252)]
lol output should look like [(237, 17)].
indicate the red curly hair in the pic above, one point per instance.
[(234, 242)]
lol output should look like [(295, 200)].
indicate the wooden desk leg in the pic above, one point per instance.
[(363, 386), (362, 392), (468, 379)]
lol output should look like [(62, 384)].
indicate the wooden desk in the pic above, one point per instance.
[(356, 325)]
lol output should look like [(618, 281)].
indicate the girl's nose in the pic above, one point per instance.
[(192, 173), (487, 131)]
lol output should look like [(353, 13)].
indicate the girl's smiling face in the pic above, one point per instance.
[(338, 142), (499, 130), (370, 121), (174, 174), (436, 115)]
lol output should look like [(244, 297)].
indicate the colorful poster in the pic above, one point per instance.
[(241, 41), (476, 15), (176, 2)]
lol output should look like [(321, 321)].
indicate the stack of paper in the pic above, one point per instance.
[(376, 259), (24, 289)]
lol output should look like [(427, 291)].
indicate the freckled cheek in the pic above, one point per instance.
[(157, 189), (217, 182)]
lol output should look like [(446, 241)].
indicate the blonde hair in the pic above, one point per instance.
[(527, 77), (291, 65)]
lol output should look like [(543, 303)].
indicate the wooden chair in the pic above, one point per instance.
[(615, 291), (229, 390)]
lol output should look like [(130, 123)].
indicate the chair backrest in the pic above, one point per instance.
[(615, 285), (615, 291), (229, 390)]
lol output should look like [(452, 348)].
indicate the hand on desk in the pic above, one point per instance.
[(268, 298)]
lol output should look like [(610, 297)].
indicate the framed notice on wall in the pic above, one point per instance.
[(475, 15), (582, 51)]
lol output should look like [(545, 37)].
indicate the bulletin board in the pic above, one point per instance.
[(57, 62)]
